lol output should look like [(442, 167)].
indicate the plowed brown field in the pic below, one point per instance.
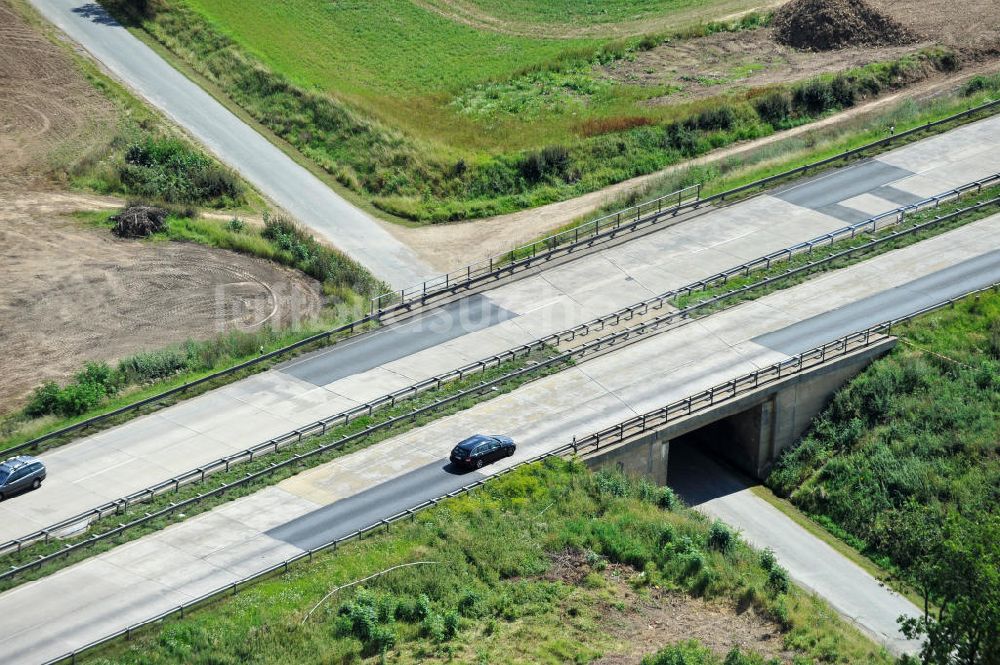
[(69, 293)]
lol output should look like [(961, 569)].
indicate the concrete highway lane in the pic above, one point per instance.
[(234, 142), (145, 577), (399, 340), (899, 301), (346, 516)]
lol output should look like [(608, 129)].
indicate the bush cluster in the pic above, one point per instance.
[(691, 652), (88, 389), (301, 250), (99, 381), (167, 169)]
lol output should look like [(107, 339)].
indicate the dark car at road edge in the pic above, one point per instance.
[(482, 449)]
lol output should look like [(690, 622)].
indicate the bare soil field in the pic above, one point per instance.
[(69, 294), (972, 26), (50, 115), (725, 62), (658, 618)]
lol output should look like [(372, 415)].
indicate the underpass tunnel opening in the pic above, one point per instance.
[(719, 458)]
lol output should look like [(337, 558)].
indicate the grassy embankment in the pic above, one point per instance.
[(145, 158), (793, 152), (496, 592), (433, 120), (904, 465)]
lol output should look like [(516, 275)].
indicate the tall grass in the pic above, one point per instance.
[(910, 441), (490, 586)]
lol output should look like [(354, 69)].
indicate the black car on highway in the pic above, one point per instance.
[(482, 449), (20, 473)]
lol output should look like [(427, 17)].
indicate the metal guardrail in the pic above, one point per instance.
[(528, 256), (320, 427), (637, 425), (525, 256), (450, 287)]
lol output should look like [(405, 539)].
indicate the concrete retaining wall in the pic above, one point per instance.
[(753, 429)]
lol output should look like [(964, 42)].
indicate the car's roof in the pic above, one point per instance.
[(18, 462), (474, 440)]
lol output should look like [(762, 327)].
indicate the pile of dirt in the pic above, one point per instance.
[(825, 25), (139, 221)]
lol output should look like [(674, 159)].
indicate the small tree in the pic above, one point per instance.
[(959, 577)]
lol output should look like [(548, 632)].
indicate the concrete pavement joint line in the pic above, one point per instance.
[(595, 345), (564, 450), (608, 390)]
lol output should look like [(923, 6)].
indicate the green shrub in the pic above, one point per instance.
[(774, 107), (549, 162), (720, 537), (153, 365), (777, 579), (44, 400), (451, 621), (667, 499), (433, 628), (78, 398), (168, 170), (692, 652), (612, 483), (715, 118), (842, 91), (813, 97)]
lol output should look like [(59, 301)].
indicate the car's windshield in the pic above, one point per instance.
[(470, 443), (4, 474)]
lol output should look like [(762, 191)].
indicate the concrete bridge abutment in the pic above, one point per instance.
[(750, 430)]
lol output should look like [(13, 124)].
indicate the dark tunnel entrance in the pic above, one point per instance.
[(717, 459)]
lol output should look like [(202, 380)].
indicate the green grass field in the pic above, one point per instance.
[(597, 12), (433, 113)]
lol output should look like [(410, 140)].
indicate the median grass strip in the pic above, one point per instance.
[(548, 564), (975, 206), (211, 497)]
